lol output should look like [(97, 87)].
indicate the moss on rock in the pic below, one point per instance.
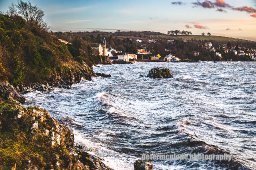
[(30, 138)]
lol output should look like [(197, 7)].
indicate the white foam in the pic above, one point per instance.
[(111, 158)]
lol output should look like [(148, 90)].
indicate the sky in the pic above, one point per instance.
[(233, 18)]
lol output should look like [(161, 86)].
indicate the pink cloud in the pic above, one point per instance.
[(253, 15), (221, 6), (246, 9), (199, 26), (210, 4), (220, 2)]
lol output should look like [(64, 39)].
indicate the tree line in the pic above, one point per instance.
[(178, 32)]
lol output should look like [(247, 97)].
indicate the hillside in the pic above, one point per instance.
[(187, 47), (30, 54), (207, 38)]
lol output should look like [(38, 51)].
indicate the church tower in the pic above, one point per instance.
[(104, 47)]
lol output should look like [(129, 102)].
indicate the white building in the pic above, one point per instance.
[(127, 57), (103, 48), (152, 41), (110, 52), (253, 57), (171, 58), (208, 45), (154, 58), (235, 52), (218, 54), (139, 41), (196, 53), (241, 53)]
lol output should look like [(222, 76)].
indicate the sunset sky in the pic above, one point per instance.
[(235, 18)]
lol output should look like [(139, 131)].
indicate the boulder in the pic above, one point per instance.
[(8, 92), (160, 73), (31, 139), (142, 165)]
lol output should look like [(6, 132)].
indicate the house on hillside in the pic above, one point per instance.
[(155, 58), (235, 52), (171, 58), (111, 51), (139, 41), (143, 54), (171, 41), (241, 53), (218, 54), (196, 53), (152, 41), (127, 57), (253, 57), (208, 45)]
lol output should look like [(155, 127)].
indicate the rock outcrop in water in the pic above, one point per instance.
[(31, 139), (160, 73), (103, 75)]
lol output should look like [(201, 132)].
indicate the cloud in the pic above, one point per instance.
[(210, 4), (253, 15), (228, 29), (188, 26), (199, 26), (221, 10), (246, 9), (221, 6), (177, 3), (220, 3), (205, 4)]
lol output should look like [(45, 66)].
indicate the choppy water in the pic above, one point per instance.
[(122, 117)]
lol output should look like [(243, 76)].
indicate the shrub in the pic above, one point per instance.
[(18, 68)]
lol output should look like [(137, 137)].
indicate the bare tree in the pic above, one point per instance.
[(32, 14), (177, 32), (12, 10)]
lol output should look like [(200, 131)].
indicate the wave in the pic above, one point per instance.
[(114, 105), (111, 158), (199, 144)]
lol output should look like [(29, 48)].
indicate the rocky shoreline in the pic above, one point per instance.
[(63, 79), (31, 139)]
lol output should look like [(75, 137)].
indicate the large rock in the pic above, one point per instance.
[(160, 73), (143, 165), (31, 139), (8, 92)]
